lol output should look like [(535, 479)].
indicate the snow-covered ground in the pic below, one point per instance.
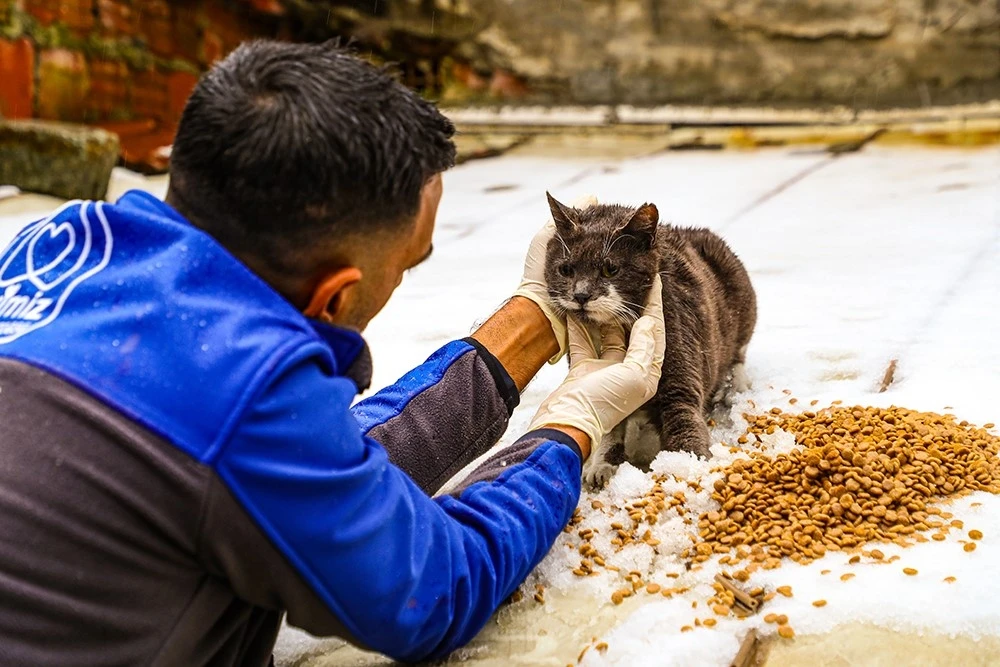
[(857, 260)]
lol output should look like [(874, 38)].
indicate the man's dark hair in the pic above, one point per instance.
[(283, 146)]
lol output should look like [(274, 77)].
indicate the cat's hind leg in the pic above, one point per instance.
[(685, 430), (741, 380), (737, 381), (605, 458)]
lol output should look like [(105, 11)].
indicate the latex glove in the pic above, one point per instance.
[(602, 389), (533, 281)]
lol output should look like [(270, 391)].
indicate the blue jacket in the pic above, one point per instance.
[(197, 434)]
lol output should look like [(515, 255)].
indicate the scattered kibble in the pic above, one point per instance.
[(784, 590), (938, 537), (786, 632), (877, 555), (771, 618), (653, 589), (847, 577), (863, 474), (909, 571), (854, 560), (617, 597), (721, 610), (602, 647), (709, 622), (950, 580), (819, 603), (975, 534), (970, 547), (686, 628)]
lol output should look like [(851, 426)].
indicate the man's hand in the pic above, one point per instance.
[(533, 282), (603, 389)]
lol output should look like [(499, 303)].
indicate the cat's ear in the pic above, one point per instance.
[(642, 224), (562, 215)]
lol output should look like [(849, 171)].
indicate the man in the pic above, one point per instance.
[(179, 461)]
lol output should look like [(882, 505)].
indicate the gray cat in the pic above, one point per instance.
[(600, 267)]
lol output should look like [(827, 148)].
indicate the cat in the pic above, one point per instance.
[(599, 268)]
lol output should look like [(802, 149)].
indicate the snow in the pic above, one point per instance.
[(857, 260)]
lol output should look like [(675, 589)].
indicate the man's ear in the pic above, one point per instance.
[(333, 293)]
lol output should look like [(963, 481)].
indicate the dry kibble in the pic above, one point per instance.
[(784, 590), (617, 597), (975, 534), (721, 610), (771, 618), (970, 547), (602, 647), (859, 475), (709, 622), (909, 571), (950, 580), (786, 632), (686, 628), (854, 560), (847, 577), (819, 603)]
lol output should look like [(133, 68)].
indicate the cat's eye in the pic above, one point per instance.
[(609, 270), (565, 270)]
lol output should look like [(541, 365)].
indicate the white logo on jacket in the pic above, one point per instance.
[(46, 261)]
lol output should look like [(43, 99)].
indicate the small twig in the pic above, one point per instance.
[(742, 597), (747, 655), (890, 375)]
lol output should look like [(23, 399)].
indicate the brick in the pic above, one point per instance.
[(46, 11), (226, 29), (109, 90), (77, 15), (212, 47), (179, 87), (156, 26), (149, 94), (118, 18), (63, 85), (17, 78), (186, 31), (269, 7)]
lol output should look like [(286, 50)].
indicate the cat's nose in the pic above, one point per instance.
[(581, 298)]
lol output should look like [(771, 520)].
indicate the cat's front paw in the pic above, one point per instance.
[(597, 472)]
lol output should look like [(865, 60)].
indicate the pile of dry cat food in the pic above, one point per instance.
[(863, 474)]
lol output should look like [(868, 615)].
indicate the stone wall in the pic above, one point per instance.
[(860, 53), (127, 65)]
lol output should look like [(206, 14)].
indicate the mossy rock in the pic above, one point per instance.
[(58, 159)]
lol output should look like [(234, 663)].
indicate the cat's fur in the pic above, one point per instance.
[(599, 268)]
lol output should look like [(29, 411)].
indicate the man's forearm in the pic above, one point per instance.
[(520, 337)]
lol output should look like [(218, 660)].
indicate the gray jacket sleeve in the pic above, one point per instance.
[(443, 414)]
